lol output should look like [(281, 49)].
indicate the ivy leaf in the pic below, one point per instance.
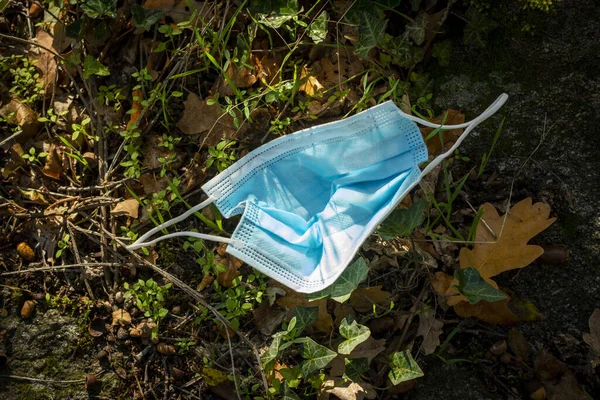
[(403, 367), (288, 394), (318, 29), (275, 13), (91, 66), (371, 31), (443, 51), (416, 29), (305, 316), (342, 288), (315, 356), (292, 375), (273, 349), (143, 17), (100, 8), (478, 27), (475, 288), (355, 367), (402, 222), (354, 333)]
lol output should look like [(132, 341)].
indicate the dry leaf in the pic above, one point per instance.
[(20, 114), (240, 78), (593, 338), (136, 106), (519, 345), (311, 85), (362, 299), (127, 207), (267, 318), (434, 145), (232, 266), (293, 299), (200, 118), (558, 380), (46, 63), (502, 249), (346, 390), (267, 68), (430, 329), (53, 166), (207, 280), (121, 317), (179, 10), (368, 349), (493, 313)]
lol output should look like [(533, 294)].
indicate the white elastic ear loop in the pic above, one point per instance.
[(140, 242)]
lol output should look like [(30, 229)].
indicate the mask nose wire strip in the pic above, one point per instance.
[(140, 242)]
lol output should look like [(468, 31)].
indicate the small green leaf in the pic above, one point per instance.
[(371, 31), (318, 29), (91, 66), (292, 375), (343, 287), (305, 316), (100, 8), (403, 368), (273, 349), (315, 356), (472, 285), (402, 222), (443, 51), (478, 27), (354, 333), (355, 367), (416, 29)]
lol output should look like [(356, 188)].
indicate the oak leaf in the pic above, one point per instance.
[(128, 207), (430, 329), (53, 166), (311, 85), (346, 390), (363, 299), (502, 246), (293, 299), (46, 62)]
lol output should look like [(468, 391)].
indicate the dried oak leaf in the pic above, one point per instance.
[(434, 145), (19, 114), (430, 329), (593, 338), (240, 78), (311, 85), (127, 207), (210, 121), (53, 166), (293, 299), (502, 247), (232, 266), (560, 383), (362, 299), (368, 349), (267, 318), (346, 390), (46, 64)]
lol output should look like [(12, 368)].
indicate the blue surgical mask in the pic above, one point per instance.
[(310, 199)]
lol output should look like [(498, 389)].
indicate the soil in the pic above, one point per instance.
[(553, 83)]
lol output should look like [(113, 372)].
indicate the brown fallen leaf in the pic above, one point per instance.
[(293, 299), (179, 10), (593, 338), (362, 299), (136, 106), (434, 145), (502, 247), (493, 313), (268, 68), (346, 390), (200, 118), (519, 345), (121, 317), (267, 318), (53, 166), (430, 329), (368, 349), (231, 272), (19, 114), (560, 383), (240, 77), (46, 64), (128, 207), (311, 85)]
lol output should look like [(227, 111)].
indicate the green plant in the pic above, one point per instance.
[(33, 156), (62, 245), (150, 298), (221, 156), (52, 117), (185, 345), (111, 96), (26, 82)]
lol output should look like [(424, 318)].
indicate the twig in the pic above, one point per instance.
[(60, 267), (8, 139), (26, 378), (78, 258)]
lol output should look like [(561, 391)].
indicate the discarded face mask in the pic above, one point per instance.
[(309, 199)]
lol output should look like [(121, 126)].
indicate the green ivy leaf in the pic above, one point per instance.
[(402, 52), (100, 8), (288, 394), (478, 27), (275, 13), (273, 349), (402, 222), (403, 368), (318, 29), (315, 356), (343, 286), (354, 333), (371, 31), (475, 288), (443, 51), (355, 367), (292, 375), (144, 18), (91, 66), (305, 316), (416, 29)]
